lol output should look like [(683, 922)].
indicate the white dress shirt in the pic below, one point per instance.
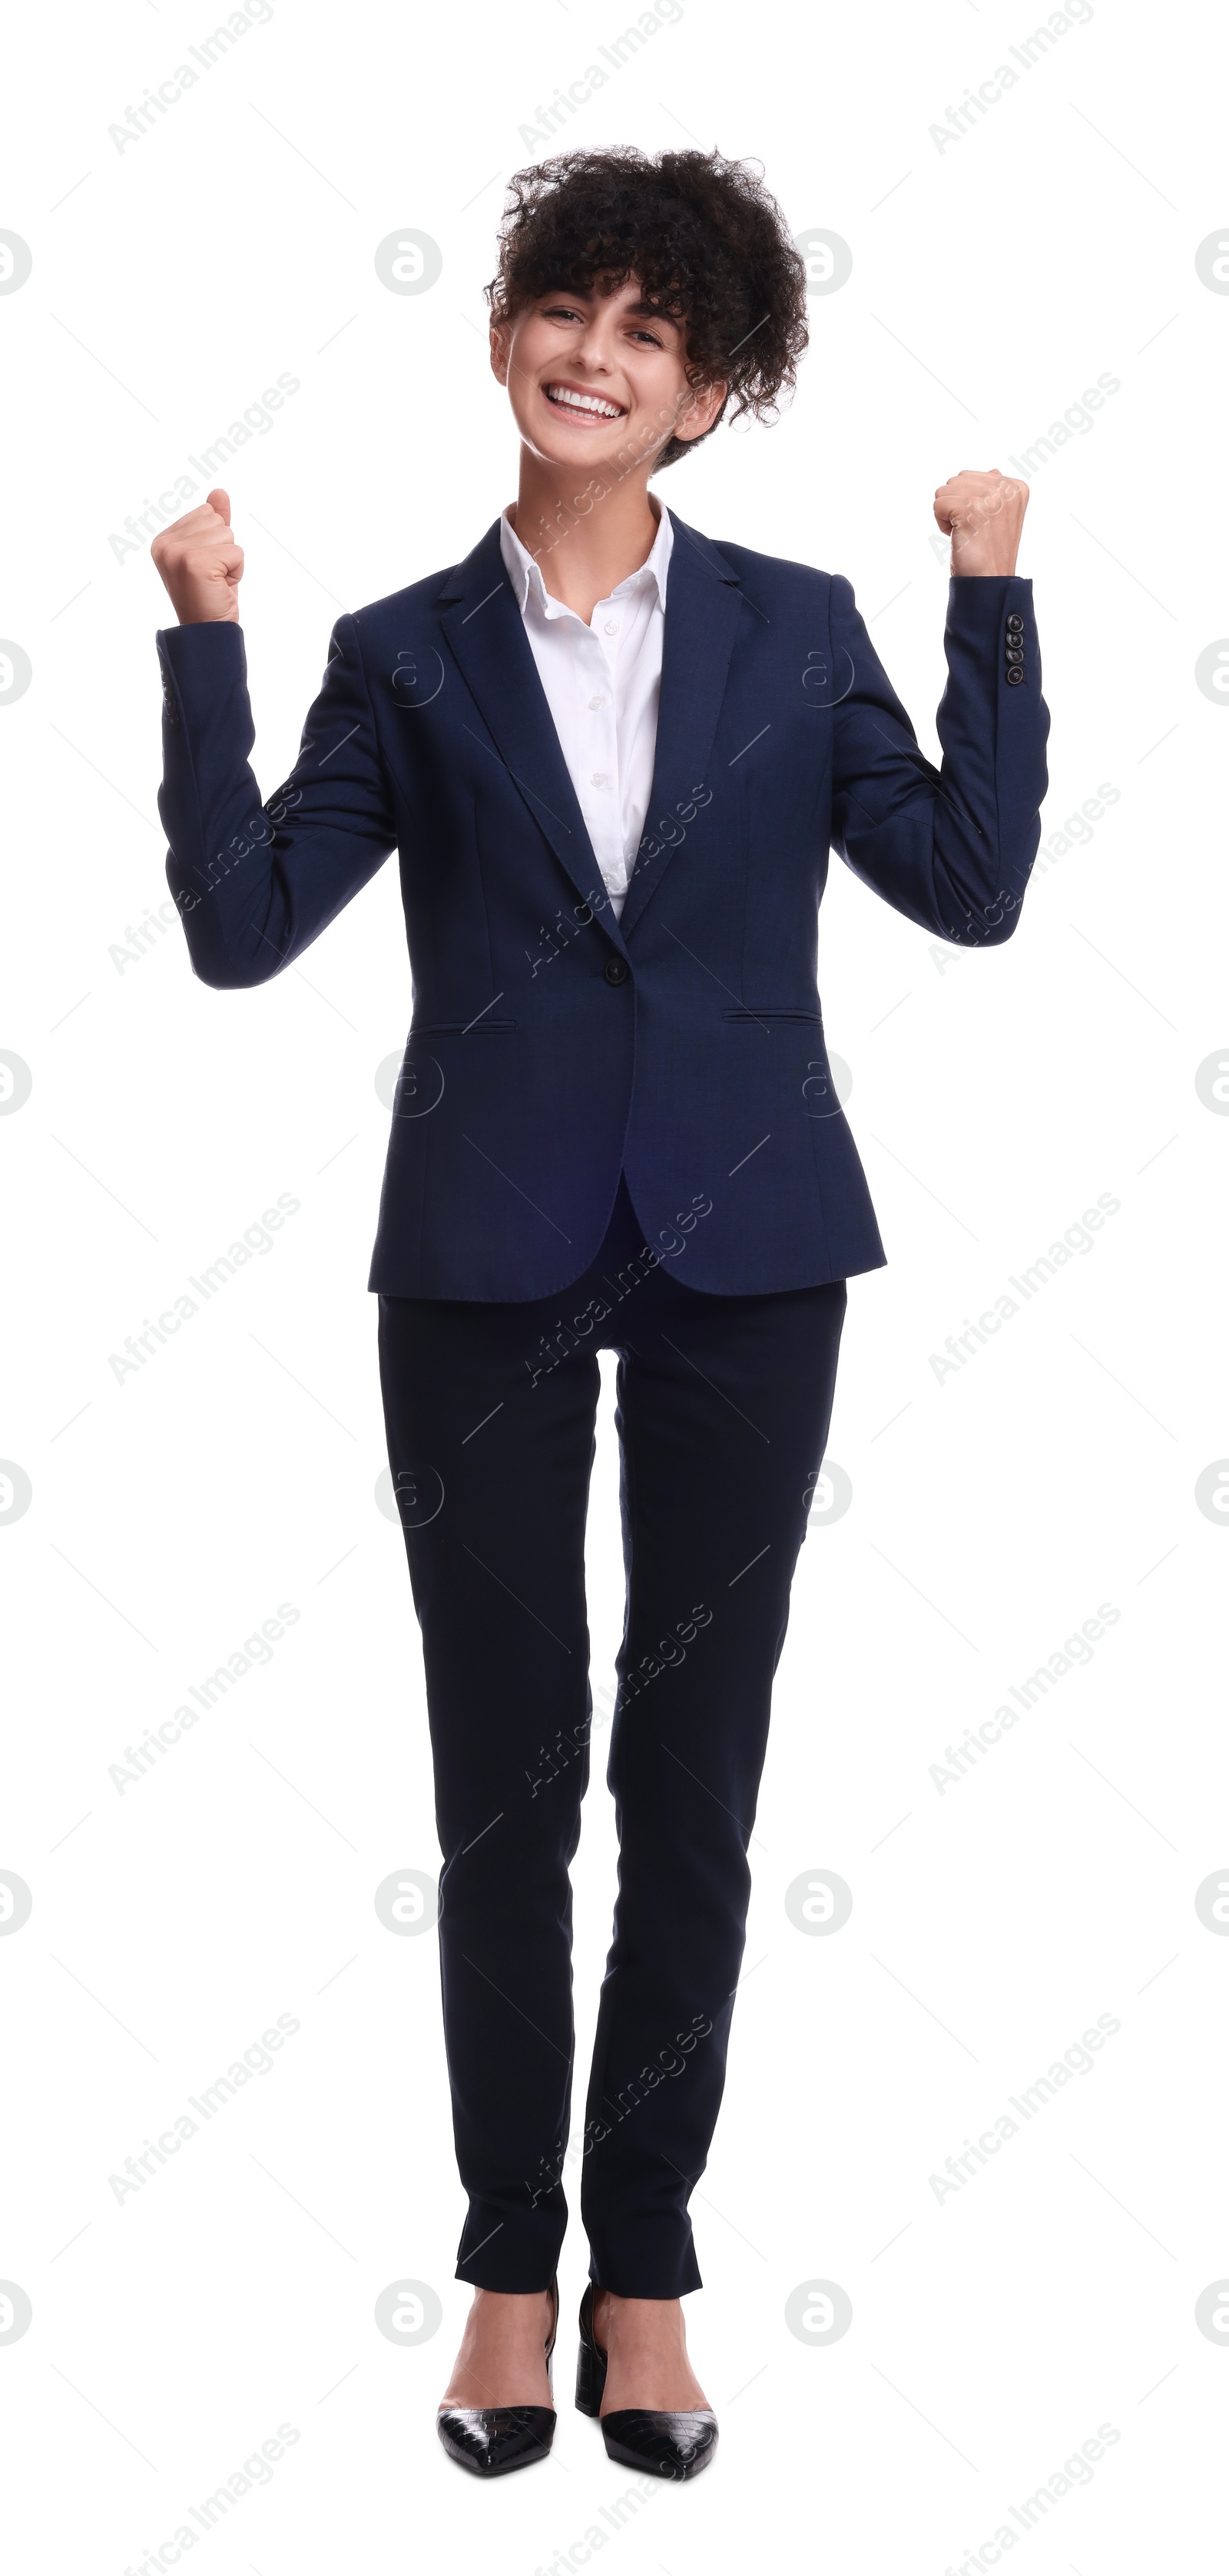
[(602, 684)]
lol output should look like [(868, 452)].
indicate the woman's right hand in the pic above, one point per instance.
[(200, 563)]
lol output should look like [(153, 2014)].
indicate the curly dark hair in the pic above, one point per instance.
[(703, 235)]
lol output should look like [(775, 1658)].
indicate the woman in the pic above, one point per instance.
[(613, 757)]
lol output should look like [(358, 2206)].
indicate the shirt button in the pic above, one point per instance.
[(612, 626), (597, 702), (599, 779)]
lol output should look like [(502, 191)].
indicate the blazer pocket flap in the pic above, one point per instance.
[(775, 1011), (460, 1029)]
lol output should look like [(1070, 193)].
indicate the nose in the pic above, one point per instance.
[(595, 347)]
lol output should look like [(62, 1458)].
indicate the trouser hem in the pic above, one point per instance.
[(514, 2260), (650, 2264)]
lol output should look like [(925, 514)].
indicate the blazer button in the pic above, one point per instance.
[(1016, 624), (1015, 653), (616, 970), (1014, 676)]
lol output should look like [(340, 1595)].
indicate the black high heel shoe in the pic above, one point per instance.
[(672, 2445), (493, 2439)]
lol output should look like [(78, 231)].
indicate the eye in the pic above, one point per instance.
[(560, 313)]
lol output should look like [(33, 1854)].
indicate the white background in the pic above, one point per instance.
[(994, 1098)]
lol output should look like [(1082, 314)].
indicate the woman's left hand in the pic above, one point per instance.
[(983, 515)]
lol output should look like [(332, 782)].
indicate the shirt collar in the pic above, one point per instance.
[(526, 576)]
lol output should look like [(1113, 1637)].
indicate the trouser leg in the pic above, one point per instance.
[(723, 1413), (492, 1470)]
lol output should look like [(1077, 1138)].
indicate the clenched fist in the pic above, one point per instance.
[(200, 563), (983, 515)]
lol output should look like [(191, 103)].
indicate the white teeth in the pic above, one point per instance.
[(583, 402)]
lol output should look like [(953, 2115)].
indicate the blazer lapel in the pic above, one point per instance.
[(703, 608), (486, 632)]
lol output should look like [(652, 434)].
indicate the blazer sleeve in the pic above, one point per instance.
[(255, 882), (951, 848)]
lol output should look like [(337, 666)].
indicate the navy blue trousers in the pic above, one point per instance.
[(722, 1411)]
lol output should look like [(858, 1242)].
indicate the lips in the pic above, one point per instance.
[(582, 405)]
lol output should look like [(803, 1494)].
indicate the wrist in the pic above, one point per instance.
[(976, 554)]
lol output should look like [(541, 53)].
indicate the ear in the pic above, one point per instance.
[(500, 339), (706, 404)]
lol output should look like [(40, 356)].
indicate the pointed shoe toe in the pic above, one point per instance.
[(494, 2439), (667, 2445)]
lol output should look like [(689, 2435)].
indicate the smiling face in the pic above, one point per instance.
[(594, 378)]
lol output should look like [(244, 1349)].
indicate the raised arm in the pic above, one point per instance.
[(256, 881), (952, 847)]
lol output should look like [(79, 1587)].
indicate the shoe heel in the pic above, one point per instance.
[(590, 2363), (590, 2379)]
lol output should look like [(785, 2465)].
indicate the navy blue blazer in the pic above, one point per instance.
[(550, 1046)]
